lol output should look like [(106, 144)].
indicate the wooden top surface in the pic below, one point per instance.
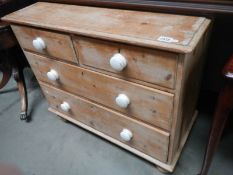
[(133, 27)]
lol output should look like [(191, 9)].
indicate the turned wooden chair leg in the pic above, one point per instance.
[(224, 106), (19, 78), (6, 74)]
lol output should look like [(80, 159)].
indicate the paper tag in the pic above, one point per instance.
[(167, 39)]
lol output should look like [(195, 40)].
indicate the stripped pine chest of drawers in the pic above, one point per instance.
[(130, 77)]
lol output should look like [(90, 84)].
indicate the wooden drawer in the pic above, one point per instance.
[(147, 104), (146, 139), (56, 44), (147, 65)]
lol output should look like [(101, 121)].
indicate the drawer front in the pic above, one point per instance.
[(147, 104), (146, 139), (148, 65), (49, 43)]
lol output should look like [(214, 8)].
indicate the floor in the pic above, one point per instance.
[(49, 146)]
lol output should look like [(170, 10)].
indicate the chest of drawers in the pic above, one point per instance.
[(130, 77)]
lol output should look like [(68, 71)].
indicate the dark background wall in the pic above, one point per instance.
[(7, 6)]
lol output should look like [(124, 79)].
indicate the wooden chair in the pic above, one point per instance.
[(224, 107), (12, 60)]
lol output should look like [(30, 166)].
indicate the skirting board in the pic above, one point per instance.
[(168, 167)]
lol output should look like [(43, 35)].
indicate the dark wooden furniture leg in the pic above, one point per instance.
[(11, 51), (19, 78), (9, 63), (6, 74), (224, 106)]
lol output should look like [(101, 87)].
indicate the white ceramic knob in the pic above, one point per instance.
[(126, 135), (122, 100), (39, 44), (229, 75), (52, 75), (65, 106), (118, 62)]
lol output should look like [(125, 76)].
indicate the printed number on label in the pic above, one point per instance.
[(167, 39)]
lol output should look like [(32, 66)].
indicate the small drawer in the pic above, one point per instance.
[(149, 105), (144, 138), (147, 65), (45, 42)]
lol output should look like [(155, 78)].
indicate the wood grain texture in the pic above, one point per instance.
[(143, 28), (168, 167), (146, 139), (147, 104), (175, 158), (57, 45), (188, 85), (147, 65)]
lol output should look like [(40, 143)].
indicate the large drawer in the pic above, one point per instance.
[(55, 44), (146, 139), (146, 104), (143, 64)]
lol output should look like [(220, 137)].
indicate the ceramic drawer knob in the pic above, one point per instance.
[(52, 75), (229, 75), (39, 44), (122, 100), (65, 106), (118, 62), (126, 135)]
